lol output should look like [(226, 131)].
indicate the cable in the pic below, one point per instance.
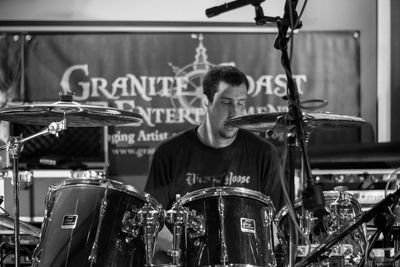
[(391, 177), (290, 208), (294, 26)]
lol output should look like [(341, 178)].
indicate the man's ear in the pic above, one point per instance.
[(205, 102)]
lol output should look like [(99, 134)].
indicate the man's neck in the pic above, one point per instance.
[(207, 137)]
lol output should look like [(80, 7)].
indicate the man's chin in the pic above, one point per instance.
[(229, 132)]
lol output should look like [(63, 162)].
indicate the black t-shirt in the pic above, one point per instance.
[(184, 164)]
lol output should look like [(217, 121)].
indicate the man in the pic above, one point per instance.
[(214, 153)]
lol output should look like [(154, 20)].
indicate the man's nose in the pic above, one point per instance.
[(235, 110)]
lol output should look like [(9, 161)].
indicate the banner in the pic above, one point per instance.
[(158, 75)]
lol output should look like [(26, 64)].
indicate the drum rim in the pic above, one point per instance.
[(225, 191), (107, 183), (298, 202)]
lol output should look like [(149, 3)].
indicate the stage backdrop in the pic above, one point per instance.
[(159, 75)]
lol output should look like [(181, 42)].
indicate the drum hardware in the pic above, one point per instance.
[(381, 215), (103, 207), (221, 213), (195, 225), (57, 116), (25, 228), (129, 225), (149, 218), (177, 216), (343, 209), (183, 220)]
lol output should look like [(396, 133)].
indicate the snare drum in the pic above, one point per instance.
[(96, 222), (343, 209), (237, 224)]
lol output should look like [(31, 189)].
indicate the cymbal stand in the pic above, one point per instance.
[(313, 198), (14, 147)]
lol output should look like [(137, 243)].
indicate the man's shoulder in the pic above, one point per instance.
[(177, 140)]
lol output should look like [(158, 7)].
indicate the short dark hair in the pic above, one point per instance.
[(229, 74)]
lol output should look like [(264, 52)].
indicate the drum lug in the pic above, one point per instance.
[(174, 253), (129, 225), (196, 225)]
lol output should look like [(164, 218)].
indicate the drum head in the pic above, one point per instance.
[(107, 183), (225, 191)]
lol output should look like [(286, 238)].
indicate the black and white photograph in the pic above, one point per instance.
[(182, 133)]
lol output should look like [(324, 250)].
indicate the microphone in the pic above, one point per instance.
[(290, 11), (289, 16), (214, 11)]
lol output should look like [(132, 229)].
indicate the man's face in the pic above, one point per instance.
[(229, 101)]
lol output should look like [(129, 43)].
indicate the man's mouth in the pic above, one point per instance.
[(229, 126)]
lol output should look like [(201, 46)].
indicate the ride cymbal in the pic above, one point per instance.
[(278, 121), (77, 115)]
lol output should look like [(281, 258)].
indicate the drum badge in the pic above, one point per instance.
[(69, 221), (248, 225)]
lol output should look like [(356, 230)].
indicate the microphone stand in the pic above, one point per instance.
[(313, 198), (312, 195)]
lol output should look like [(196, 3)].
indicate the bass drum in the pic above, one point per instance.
[(237, 224), (343, 209), (94, 222)]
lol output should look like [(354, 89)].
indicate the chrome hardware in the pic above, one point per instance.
[(150, 219), (129, 225)]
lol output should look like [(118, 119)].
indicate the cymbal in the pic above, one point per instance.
[(77, 115), (276, 121), (25, 228)]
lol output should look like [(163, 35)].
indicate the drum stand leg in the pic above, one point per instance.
[(15, 149)]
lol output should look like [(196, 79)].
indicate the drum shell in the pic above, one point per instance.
[(99, 206), (242, 208)]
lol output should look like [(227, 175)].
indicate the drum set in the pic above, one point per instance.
[(102, 222)]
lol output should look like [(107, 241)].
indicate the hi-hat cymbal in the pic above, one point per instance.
[(7, 221), (276, 121), (77, 115)]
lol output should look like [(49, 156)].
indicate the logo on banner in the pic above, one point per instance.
[(192, 77)]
